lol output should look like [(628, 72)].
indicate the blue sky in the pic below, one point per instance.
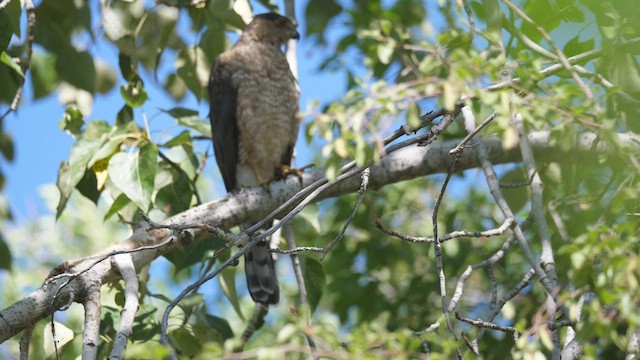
[(40, 145)]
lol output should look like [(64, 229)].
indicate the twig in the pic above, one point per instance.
[(472, 134), (297, 250), (452, 235), (124, 264), (25, 341), (431, 328), (526, 280), (607, 84), (304, 301), (53, 336), (518, 184), (470, 16), (253, 325), (489, 325), (26, 62), (361, 192)]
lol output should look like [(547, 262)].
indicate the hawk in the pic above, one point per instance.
[(254, 105)]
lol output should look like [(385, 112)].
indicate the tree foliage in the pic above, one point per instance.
[(576, 64)]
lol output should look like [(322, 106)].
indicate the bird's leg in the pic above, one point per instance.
[(264, 183)]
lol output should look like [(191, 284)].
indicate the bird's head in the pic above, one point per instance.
[(271, 27)]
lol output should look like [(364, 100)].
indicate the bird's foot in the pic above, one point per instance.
[(284, 170)]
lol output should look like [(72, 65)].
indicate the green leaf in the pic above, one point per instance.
[(221, 325), (194, 254), (575, 46), (385, 51), (182, 138), (72, 121), (193, 68), (6, 146), (88, 186), (133, 94), (125, 115), (623, 70), (70, 174), (413, 115), (105, 77), (175, 87), (10, 81), (214, 41), (148, 166), (189, 118), (6, 31), (176, 196), (5, 254), (314, 278), (76, 68), (13, 12), (44, 78), (57, 20), (7, 60), (119, 203), (519, 196), (228, 284), (318, 14), (134, 173), (185, 341), (64, 187)]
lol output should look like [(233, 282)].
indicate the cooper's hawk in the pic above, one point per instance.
[(254, 106)]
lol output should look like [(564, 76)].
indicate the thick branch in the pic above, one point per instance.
[(251, 204)]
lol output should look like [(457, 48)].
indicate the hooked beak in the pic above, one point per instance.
[(296, 36)]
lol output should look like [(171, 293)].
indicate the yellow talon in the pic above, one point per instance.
[(283, 170)]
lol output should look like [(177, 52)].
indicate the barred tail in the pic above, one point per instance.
[(261, 274)]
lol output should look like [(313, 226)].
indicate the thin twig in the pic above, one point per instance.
[(297, 250), (472, 134), (253, 325), (526, 280), (489, 325), (304, 300), (518, 184), (508, 223), (361, 192), (25, 63)]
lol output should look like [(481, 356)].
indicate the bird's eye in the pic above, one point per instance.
[(281, 22)]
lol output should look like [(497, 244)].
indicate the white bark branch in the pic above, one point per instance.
[(124, 264), (255, 203), (92, 316)]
